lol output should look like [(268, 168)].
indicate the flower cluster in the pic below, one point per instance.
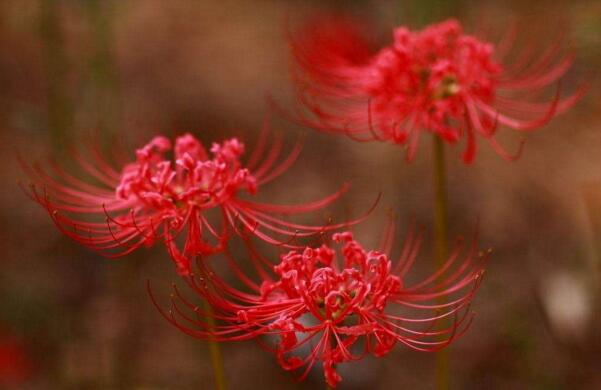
[(336, 302), (156, 197), (440, 80), (155, 183), (335, 309)]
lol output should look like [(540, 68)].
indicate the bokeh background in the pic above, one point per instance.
[(129, 69)]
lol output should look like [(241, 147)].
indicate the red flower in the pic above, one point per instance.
[(337, 310), (157, 198), (439, 80)]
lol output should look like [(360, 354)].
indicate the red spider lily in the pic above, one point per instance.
[(157, 198), (438, 79), (336, 310)]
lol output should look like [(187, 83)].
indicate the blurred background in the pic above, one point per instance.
[(129, 69)]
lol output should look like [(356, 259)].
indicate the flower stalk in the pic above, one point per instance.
[(440, 243), (214, 349), (60, 110)]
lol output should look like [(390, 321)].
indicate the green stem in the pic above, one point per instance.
[(440, 242), (103, 83), (56, 68), (440, 203), (214, 348)]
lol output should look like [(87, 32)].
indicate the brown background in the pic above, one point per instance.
[(134, 68)]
